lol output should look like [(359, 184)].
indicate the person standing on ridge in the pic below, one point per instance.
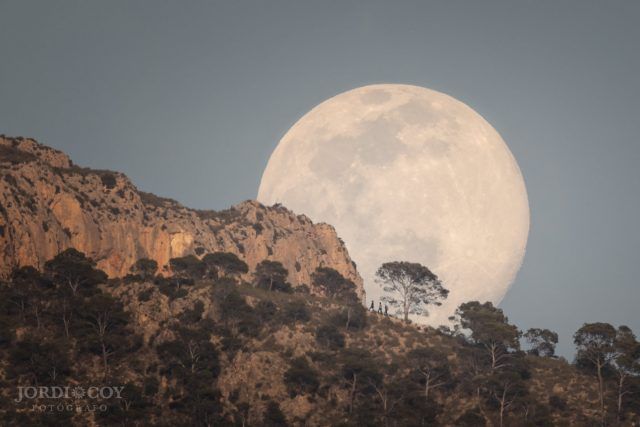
[(380, 308), (372, 306), (386, 310)]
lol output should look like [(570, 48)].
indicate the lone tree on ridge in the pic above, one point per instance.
[(410, 287)]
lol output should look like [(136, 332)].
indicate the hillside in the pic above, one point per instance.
[(223, 352), (48, 204)]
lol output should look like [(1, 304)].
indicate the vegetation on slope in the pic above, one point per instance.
[(203, 348)]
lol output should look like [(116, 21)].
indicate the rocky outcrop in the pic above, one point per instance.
[(48, 204)]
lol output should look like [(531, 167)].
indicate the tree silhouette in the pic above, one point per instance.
[(105, 332), (505, 390), (224, 264), (145, 268), (296, 311), (359, 370), (333, 284), (627, 364), (330, 337), (186, 268), (29, 293), (42, 362), (543, 341), (272, 275), (411, 287), (430, 369), (490, 329), (273, 416), (595, 343), (73, 269), (300, 377)]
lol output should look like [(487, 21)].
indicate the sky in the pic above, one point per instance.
[(189, 99)]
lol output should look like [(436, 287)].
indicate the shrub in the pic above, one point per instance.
[(194, 314), (224, 216), (350, 317), (108, 180), (273, 416), (471, 418), (145, 268), (235, 313), (157, 201), (297, 311), (14, 155), (302, 289), (266, 310), (145, 295), (557, 403), (330, 337), (300, 377)]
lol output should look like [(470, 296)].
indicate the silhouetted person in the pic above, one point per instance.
[(379, 308), (372, 306), (386, 310)]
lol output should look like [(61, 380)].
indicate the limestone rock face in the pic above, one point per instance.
[(48, 204)]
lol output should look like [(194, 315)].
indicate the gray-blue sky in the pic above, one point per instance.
[(190, 98)]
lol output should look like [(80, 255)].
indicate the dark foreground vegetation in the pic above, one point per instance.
[(208, 347)]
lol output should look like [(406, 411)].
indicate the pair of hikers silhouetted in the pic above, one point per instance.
[(386, 309)]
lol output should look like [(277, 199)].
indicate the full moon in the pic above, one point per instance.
[(405, 173)]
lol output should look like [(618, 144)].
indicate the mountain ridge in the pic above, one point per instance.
[(49, 204)]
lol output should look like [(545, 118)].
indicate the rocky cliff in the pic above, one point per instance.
[(48, 204)]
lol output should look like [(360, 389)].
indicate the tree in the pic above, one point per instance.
[(191, 361), (190, 355), (490, 329), (333, 284), (543, 341), (535, 413), (29, 292), (145, 268), (352, 316), (595, 344), (505, 389), (430, 367), (266, 310), (185, 268), (27, 276), (106, 331), (359, 371), (412, 287), (226, 264), (296, 311), (389, 392), (627, 364), (73, 269), (412, 409), (272, 275), (236, 315), (300, 377), (471, 418), (330, 337), (43, 362), (131, 409), (273, 416)]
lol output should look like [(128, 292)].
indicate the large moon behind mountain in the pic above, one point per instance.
[(405, 173)]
